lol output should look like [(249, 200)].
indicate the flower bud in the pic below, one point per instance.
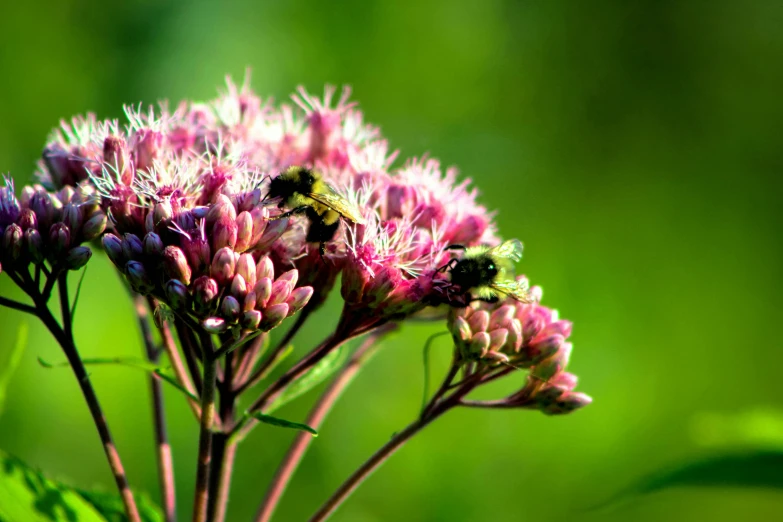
[(249, 302), (198, 253), (291, 276), (34, 245), (460, 329), (265, 268), (553, 365), (238, 287), (546, 347), (77, 257), (175, 264), (146, 148), (214, 325), (205, 290), (281, 289), (299, 298), (244, 227), (162, 214), (251, 319), (63, 196), (41, 203), (230, 308), (27, 219), (223, 266), (177, 294), (224, 233), (12, 242), (479, 344), (263, 291), (222, 208), (568, 402), (72, 216), (153, 245), (260, 219), (273, 316), (138, 278), (113, 246), (246, 267), (94, 226), (132, 247), (59, 238), (479, 321), (272, 232), (117, 155), (514, 328), (497, 339)]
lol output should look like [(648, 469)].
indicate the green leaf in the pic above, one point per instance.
[(317, 374), (276, 421), (757, 469), (131, 363), (110, 506), (12, 363), (26, 495)]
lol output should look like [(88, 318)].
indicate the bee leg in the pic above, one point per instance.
[(493, 299), (322, 251), (455, 247), (449, 265), (297, 210)]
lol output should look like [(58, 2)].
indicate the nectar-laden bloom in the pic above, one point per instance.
[(521, 336), (47, 226)]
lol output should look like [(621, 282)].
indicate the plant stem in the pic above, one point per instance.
[(69, 347), (223, 469), (205, 437), (176, 365), (165, 462), (317, 415), (380, 456), (10, 303)]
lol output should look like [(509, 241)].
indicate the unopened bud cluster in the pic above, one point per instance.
[(42, 226), (524, 337), (207, 262)]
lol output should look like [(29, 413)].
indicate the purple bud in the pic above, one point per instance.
[(230, 308), (214, 325), (27, 219), (153, 245), (12, 242), (162, 214), (238, 287), (514, 328), (59, 238), (248, 200), (72, 216), (223, 266), (546, 347), (251, 319), (146, 148), (244, 227), (249, 302), (265, 268), (9, 206), (501, 316), (272, 232), (200, 212), (205, 290), (132, 247), (34, 245), (77, 257), (224, 233), (221, 208), (117, 156), (94, 226), (138, 278), (281, 289), (299, 298), (177, 294), (568, 402), (263, 291), (55, 159), (41, 203), (198, 253), (64, 196), (260, 219), (175, 264), (555, 364), (113, 246), (273, 316)]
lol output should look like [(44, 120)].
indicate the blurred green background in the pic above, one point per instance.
[(634, 147)]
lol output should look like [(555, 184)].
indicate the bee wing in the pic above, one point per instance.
[(512, 288), (329, 197), (511, 249)]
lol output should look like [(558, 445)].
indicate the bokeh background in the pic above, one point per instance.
[(634, 147)]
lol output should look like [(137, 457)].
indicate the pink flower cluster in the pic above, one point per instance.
[(521, 336)]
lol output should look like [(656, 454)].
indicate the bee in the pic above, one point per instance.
[(303, 190), (487, 272)]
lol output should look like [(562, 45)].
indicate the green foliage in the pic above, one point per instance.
[(26, 495), (9, 365), (130, 363), (276, 421), (110, 506), (317, 374)]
